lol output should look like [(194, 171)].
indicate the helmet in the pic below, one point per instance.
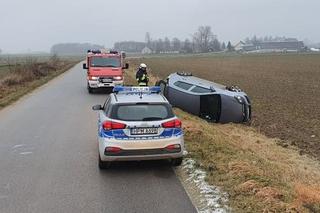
[(143, 66)]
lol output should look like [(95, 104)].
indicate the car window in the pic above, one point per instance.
[(198, 89), (142, 112), (183, 85), (106, 105)]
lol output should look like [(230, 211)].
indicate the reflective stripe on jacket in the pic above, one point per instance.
[(142, 84)]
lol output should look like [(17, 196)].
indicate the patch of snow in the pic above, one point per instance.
[(213, 200)]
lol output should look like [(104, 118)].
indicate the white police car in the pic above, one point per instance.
[(138, 123)]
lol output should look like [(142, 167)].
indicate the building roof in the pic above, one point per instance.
[(272, 45)]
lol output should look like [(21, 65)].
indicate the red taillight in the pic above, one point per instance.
[(176, 123), (173, 147), (110, 125), (113, 149)]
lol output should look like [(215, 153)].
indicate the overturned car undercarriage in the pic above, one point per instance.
[(209, 100)]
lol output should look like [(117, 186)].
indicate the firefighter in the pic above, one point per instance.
[(142, 76)]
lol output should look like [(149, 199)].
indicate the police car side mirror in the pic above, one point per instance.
[(84, 66), (97, 107), (126, 66)]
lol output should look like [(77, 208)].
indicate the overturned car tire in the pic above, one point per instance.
[(163, 85)]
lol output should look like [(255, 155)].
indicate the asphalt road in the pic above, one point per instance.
[(48, 159)]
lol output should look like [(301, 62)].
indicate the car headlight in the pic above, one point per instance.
[(239, 99), (117, 78), (93, 78)]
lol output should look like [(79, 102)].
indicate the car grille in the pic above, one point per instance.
[(105, 79)]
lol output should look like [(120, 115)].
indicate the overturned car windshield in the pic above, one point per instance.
[(198, 89), (142, 112), (105, 62)]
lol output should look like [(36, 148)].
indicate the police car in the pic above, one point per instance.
[(138, 123)]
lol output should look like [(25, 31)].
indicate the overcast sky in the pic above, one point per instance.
[(35, 25)]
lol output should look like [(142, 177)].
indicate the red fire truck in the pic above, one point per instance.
[(104, 69)]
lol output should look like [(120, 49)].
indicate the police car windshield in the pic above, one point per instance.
[(105, 62), (142, 112)]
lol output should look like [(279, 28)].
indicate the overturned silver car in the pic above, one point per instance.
[(209, 100)]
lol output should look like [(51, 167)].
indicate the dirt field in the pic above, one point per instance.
[(284, 90)]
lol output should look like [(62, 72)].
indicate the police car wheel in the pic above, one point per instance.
[(176, 162), (104, 164)]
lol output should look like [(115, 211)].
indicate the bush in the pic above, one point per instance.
[(12, 80)]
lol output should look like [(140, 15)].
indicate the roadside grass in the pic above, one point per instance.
[(260, 174), (20, 77)]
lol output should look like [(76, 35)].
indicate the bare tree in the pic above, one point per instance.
[(187, 46), (148, 39), (176, 44), (215, 45), (159, 46), (202, 38), (167, 44)]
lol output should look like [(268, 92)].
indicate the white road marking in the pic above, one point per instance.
[(25, 153), (18, 146)]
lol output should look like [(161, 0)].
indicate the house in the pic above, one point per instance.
[(244, 47), (146, 50), (271, 46), (281, 45), (239, 46)]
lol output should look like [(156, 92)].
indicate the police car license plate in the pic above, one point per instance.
[(144, 131)]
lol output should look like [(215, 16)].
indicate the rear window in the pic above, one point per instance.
[(198, 89), (183, 85), (142, 112)]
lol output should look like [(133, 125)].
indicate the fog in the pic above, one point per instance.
[(35, 25)]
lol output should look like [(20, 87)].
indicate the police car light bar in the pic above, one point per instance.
[(154, 89), (94, 51)]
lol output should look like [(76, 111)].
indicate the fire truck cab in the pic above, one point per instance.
[(104, 69)]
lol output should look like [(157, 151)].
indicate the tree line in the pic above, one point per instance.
[(202, 41), (74, 48)]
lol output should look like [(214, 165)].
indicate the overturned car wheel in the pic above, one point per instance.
[(163, 85)]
